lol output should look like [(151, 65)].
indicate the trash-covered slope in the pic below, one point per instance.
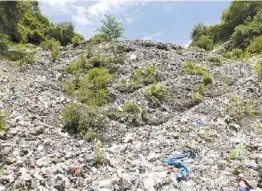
[(37, 154)]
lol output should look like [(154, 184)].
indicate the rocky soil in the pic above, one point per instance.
[(37, 154)]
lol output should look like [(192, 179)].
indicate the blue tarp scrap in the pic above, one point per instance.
[(173, 161)]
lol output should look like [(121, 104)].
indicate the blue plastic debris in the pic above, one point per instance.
[(172, 161)]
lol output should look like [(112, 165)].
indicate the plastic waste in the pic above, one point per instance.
[(173, 161)]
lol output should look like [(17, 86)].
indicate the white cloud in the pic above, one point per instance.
[(187, 44), (169, 6), (153, 36), (129, 19), (62, 6)]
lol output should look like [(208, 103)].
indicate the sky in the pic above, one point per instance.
[(165, 21)]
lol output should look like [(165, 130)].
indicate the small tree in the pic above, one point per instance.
[(111, 28)]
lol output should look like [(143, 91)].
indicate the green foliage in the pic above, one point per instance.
[(150, 74), (81, 118), (99, 153), (144, 115), (3, 115), (207, 79), (131, 108), (238, 152), (77, 38), (239, 108), (156, 93), (49, 44), (55, 52), (111, 29), (200, 87), (98, 61), (89, 135), (237, 53), (255, 46), (80, 65), (23, 22), (193, 69), (69, 87), (240, 23), (203, 42), (196, 97), (258, 68), (215, 60), (28, 59), (93, 87)]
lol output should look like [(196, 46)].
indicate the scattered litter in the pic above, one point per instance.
[(171, 161), (199, 123), (74, 169)]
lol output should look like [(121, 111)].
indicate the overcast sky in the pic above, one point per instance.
[(166, 21)]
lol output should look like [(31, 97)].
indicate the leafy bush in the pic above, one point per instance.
[(80, 65), (77, 38), (156, 93), (203, 42), (28, 59), (55, 54), (97, 61), (150, 75), (207, 79), (81, 118), (144, 115), (228, 55), (3, 115), (99, 153), (258, 68), (111, 29), (190, 68), (69, 87), (89, 135), (196, 97), (93, 87), (131, 108), (49, 44), (255, 46), (216, 60), (239, 108), (237, 53), (238, 152)]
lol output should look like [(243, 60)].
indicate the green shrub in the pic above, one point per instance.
[(240, 108), (196, 97), (93, 87), (255, 46), (200, 87), (79, 65), (28, 59), (97, 61), (99, 153), (228, 55), (89, 135), (81, 118), (237, 53), (131, 108), (150, 75), (70, 116), (69, 87), (193, 69), (97, 39), (238, 152), (55, 54), (76, 40), (216, 60), (49, 44), (111, 28), (144, 115), (3, 115), (203, 42), (207, 79), (156, 93), (258, 68)]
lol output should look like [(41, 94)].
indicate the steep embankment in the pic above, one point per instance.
[(37, 155)]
